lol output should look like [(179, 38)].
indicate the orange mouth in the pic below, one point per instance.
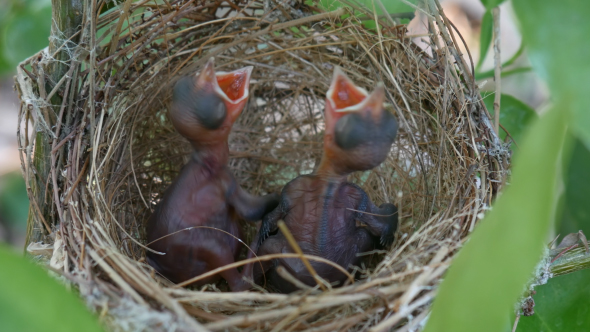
[(232, 87), (235, 84), (343, 93), (346, 97)]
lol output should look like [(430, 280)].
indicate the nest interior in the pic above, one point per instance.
[(97, 161)]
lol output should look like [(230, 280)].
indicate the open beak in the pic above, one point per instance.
[(344, 97), (232, 87), (343, 94)]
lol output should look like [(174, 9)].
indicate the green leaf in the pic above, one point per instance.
[(556, 33), (30, 300), (489, 273), (490, 4), (576, 210), (25, 33), (392, 7), (485, 37), (560, 305), (515, 115), (503, 74)]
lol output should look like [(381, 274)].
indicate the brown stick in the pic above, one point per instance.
[(515, 323), (67, 199), (63, 141)]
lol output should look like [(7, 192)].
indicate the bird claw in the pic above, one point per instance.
[(264, 231), (387, 239)]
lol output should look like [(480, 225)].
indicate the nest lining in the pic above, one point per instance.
[(113, 152)]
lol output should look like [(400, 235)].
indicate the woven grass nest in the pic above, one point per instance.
[(111, 152)]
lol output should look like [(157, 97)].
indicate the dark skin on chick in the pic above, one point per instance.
[(328, 216), (205, 193)]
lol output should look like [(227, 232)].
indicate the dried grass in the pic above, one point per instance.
[(114, 151)]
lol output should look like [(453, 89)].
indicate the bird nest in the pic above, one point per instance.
[(98, 151)]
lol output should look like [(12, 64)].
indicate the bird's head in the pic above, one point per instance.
[(359, 131), (205, 106)]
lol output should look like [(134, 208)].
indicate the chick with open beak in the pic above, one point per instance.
[(205, 193), (328, 216)]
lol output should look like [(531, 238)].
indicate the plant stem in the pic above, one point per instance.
[(497, 69), (571, 261), (66, 22)]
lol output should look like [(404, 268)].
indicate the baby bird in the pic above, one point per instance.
[(205, 193), (328, 216)]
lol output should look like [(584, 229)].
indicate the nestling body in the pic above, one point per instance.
[(205, 195), (328, 216)]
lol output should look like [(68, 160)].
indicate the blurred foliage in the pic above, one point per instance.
[(490, 272), (556, 34), (560, 305), (515, 115), (33, 301), (14, 202), (490, 4), (485, 37), (575, 212), (24, 30), (506, 246)]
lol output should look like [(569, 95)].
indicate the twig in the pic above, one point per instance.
[(569, 260), (372, 214), (58, 85), (395, 318), (204, 227), (282, 271), (276, 27), (63, 141), (497, 69), (564, 251), (515, 322), (263, 258), (78, 179)]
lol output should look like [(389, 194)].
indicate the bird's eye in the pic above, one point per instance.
[(210, 110)]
